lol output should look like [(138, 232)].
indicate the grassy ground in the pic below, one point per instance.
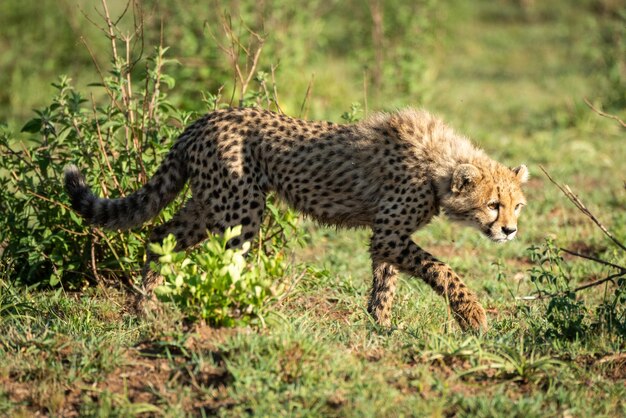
[(517, 89)]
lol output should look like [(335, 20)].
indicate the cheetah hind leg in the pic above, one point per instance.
[(189, 228), (383, 290)]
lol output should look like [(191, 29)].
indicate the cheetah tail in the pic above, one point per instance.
[(134, 209)]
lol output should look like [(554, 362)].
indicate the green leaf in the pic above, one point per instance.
[(54, 279), (33, 126)]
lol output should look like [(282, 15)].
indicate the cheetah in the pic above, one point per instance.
[(392, 173)]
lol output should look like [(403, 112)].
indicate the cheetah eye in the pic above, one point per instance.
[(518, 207), (493, 205)]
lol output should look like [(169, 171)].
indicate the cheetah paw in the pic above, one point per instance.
[(472, 317)]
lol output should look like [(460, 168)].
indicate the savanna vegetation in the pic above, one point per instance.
[(282, 329)]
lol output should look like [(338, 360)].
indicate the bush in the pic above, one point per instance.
[(113, 144), (568, 316), (217, 284), (117, 137)]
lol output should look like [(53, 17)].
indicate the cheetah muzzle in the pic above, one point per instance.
[(391, 173)]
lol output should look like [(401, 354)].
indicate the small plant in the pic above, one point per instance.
[(12, 303), (516, 364), (113, 144), (218, 284), (565, 314), (354, 114)]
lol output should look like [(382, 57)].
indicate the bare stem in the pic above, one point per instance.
[(235, 48), (604, 114), (599, 282), (103, 150), (597, 260), (275, 90), (594, 283), (581, 206), (304, 108)]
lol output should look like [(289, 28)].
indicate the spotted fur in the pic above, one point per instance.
[(391, 173)]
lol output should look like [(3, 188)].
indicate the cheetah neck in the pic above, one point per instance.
[(438, 150), (449, 153)]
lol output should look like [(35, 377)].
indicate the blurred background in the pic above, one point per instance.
[(527, 61)]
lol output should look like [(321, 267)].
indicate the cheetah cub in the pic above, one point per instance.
[(392, 173)]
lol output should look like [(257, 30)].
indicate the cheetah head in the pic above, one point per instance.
[(488, 198)]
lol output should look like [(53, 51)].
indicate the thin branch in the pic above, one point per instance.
[(266, 93), (46, 199), (234, 50), (94, 266), (110, 31), (121, 16), (597, 260), (103, 150), (604, 114), (98, 231), (90, 20), (307, 96), (102, 78), (540, 296), (275, 90), (599, 282), (580, 205)]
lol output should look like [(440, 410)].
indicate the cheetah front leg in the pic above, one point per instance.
[(411, 259)]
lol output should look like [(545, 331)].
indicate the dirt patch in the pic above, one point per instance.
[(612, 366), (205, 337), (158, 373), (584, 248), (372, 355), (320, 305), (337, 399)]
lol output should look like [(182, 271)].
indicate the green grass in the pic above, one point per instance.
[(514, 83)]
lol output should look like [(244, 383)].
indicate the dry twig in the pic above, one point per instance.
[(581, 206), (604, 114), (588, 257), (251, 52), (594, 283), (104, 153), (275, 90), (304, 109)]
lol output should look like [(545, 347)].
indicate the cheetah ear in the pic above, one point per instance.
[(465, 176), (521, 173)]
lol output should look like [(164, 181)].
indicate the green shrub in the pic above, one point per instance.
[(113, 144), (117, 138), (567, 314), (218, 284)]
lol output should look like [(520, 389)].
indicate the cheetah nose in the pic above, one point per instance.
[(508, 230)]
